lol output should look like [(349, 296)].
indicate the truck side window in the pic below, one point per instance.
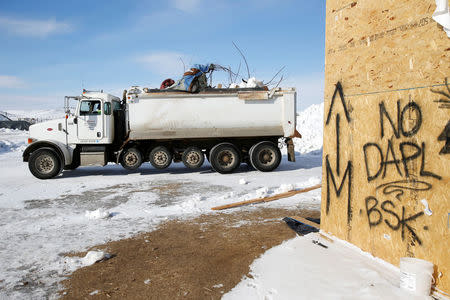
[(107, 108), (90, 107)]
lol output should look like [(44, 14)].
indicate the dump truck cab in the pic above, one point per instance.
[(93, 119), (80, 138)]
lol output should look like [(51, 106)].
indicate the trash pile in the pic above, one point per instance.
[(192, 81), (196, 80)]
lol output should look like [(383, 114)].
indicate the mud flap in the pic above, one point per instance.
[(290, 150)]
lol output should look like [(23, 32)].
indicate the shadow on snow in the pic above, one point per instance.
[(309, 160)]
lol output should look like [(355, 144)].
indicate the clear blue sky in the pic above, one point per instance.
[(54, 48)]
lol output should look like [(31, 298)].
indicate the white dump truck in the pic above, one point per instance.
[(228, 126)]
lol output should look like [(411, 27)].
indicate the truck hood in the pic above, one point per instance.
[(48, 130)]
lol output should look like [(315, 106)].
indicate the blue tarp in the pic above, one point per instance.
[(184, 84)]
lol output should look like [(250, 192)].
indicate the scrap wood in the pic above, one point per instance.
[(312, 224), (268, 199), (306, 222), (328, 239), (299, 227)]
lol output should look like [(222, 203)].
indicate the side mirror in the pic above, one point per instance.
[(75, 120)]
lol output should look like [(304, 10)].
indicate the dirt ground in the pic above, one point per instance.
[(200, 258)]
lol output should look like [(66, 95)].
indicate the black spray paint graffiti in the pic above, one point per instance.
[(398, 155), (444, 103), (375, 217), (348, 173), (445, 136), (399, 187), (401, 154)]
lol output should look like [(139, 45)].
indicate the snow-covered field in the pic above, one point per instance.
[(41, 220)]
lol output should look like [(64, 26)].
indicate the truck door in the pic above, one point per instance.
[(90, 120)]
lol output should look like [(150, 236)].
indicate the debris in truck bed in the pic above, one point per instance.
[(193, 80)]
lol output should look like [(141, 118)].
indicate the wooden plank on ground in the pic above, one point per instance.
[(267, 199), (306, 221)]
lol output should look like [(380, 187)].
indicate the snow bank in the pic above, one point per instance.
[(12, 140), (40, 115), (300, 269), (310, 125)]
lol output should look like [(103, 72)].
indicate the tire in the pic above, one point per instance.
[(160, 157), (193, 158), (249, 160), (44, 163), (224, 158), (265, 156), (131, 159)]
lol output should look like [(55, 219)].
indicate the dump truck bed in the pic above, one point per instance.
[(212, 114)]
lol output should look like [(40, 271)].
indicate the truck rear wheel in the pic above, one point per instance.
[(160, 157), (131, 159), (44, 163), (193, 158), (265, 156), (224, 158)]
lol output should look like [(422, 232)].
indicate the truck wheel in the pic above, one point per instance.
[(131, 159), (224, 158), (193, 158), (160, 157), (44, 163), (265, 156)]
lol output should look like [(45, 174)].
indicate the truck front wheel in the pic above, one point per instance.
[(131, 159), (44, 163), (224, 158), (265, 156)]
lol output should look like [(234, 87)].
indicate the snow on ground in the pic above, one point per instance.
[(41, 220), (300, 269), (12, 140)]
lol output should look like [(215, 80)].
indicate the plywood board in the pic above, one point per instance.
[(386, 131)]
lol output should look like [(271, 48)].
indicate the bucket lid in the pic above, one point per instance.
[(416, 261)]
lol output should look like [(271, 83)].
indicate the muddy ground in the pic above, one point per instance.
[(200, 258)]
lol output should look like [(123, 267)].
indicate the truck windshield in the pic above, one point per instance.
[(90, 107)]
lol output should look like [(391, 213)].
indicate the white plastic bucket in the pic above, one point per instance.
[(416, 275)]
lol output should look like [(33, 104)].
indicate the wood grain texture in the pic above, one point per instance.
[(385, 131)]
